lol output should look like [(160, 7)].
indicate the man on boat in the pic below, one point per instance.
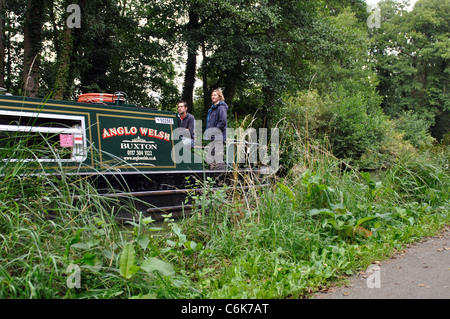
[(186, 124)]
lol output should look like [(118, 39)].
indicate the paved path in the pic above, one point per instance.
[(422, 271)]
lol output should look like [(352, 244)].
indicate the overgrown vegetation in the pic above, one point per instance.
[(319, 224), (322, 221), (363, 119)]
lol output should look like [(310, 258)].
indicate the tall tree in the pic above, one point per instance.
[(95, 44), (142, 64), (412, 60), (32, 44), (63, 44), (113, 50), (184, 24), (267, 47), (2, 43), (13, 15), (191, 62), (257, 46)]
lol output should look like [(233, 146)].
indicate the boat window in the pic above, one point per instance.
[(42, 137)]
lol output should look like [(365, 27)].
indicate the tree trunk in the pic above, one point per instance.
[(32, 44), (7, 61), (2, 46), (206, 91), (62, 76), (189, 76), (230, 84), (191, 63)]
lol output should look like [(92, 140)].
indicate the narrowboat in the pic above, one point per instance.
[(123, 149)]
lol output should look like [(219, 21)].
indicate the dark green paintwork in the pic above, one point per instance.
[(119, 138)]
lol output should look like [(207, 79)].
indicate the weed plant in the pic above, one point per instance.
[(59, 239), (320, 222), (317, 225)]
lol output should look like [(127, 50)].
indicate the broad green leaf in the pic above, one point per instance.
[(316, 211), (127, 262), (155, 264), (89, 259), (177, 230), (288, 192), (86, 245), (362, 220), (143, 241), (148, 220)]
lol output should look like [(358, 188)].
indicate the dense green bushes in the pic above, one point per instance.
[(318, 223), (352, 123), (350, 126), (327, 216)]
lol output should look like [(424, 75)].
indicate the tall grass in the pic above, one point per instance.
[(318, 223), (60, 239), (321, 222)]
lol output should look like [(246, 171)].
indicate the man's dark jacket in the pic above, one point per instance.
[(187, 123)]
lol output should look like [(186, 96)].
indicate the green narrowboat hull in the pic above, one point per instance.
[(115, 138), (123, 151)]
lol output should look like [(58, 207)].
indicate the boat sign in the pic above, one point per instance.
[(164, 120)]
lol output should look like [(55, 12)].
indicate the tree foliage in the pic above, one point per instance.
[(411, 51), (257, 51), (111, 51)]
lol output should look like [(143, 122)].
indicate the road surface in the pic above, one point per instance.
[(422, 271)]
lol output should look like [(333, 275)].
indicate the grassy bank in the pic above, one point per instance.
[(320, 223)]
